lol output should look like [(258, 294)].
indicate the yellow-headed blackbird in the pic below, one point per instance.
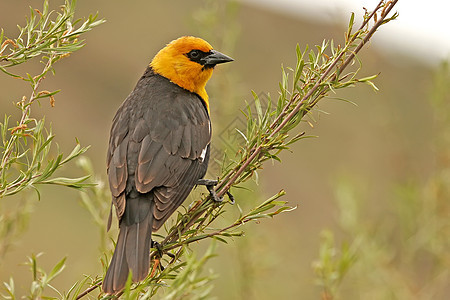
[(158, 150)]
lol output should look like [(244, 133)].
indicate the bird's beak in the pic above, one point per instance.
[(214, 58)]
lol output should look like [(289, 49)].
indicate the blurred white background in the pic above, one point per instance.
[(421, 31)]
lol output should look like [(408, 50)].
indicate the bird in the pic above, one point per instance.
[(159, 149)]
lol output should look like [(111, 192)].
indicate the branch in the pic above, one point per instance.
[(230, 180), (87, 291), (25, 147)]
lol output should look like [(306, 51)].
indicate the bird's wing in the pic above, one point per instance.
[(117, 166), (172, 155), (163, 149)]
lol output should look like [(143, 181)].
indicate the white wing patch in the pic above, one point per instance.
[(203, 154)]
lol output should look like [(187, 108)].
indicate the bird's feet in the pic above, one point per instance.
[(158, 247), (160, 254), (210, 184)]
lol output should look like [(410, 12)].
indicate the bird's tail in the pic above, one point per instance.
[(132, 251)]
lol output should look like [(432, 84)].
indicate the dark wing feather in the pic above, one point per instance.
[(168, 199), (117, 160), (158, 138), (170, 158)]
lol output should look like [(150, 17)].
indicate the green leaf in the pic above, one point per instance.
[(1, 38), (284, 83), (350, 25), (368, 80), (282, 209), (10, 289), (77, 151), (57, 269), (258, 107), (220, 239), (76, 183), (196, 238)]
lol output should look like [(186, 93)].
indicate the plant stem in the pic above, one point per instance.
[(88, 290), (231, 179)]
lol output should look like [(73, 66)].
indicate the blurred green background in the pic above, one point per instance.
[(385, 141)]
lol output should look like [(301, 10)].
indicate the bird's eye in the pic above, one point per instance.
[(194, 54)]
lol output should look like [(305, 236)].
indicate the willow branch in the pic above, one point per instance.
[(230, 180)]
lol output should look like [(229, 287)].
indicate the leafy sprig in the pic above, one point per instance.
[(47, 33), (26, 146), (28, 157)]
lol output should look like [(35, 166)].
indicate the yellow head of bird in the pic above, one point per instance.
[(188, 62)]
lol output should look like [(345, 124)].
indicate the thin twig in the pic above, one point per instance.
[(218, 232), (87, 291), (26, 111)]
